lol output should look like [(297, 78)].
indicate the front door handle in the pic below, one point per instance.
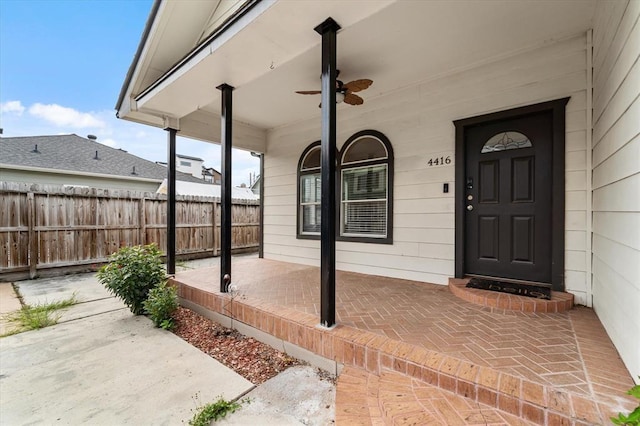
[(469, 207)]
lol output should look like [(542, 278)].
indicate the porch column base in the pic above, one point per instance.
[(325, 328)]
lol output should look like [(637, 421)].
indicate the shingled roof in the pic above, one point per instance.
[(75, 153)]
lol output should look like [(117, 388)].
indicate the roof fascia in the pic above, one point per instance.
[(199, 51), (143, 42), (188, 157)]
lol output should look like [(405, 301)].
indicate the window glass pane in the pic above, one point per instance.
[(366, 148), (310, 188), (311, 218), (506, 140), (368, 218), (364, 183), (364, 201), (312, 159), (310, 203)]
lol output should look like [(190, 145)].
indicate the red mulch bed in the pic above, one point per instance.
[(253, 360)]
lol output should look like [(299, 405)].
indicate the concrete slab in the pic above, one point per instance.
[(297, 396), (113, 368), (90, 308), (9, 302), (86, 287)]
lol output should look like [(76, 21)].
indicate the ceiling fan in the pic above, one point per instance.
[(345, 91)]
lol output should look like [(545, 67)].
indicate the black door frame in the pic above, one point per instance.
[(557, 109)]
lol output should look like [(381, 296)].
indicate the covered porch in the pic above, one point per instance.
[(414, 351)]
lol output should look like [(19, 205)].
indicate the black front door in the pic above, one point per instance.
[(508, 198)]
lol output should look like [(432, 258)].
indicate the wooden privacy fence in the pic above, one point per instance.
[(45, 227)]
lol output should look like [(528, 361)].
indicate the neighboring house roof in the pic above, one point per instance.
[(77, 154), (256, 183), (255, 186), (207, 190), (188, 157)]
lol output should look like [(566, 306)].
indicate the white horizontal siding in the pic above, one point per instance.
[(53, 178), (418, 120), (618, 166), (616, 176)]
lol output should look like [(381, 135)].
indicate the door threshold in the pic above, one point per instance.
[(511, 286), (508, 280)]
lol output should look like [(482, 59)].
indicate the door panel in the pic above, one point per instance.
[(523, 238), (508, 198), (488, 241), (522, 179), (489, 182)]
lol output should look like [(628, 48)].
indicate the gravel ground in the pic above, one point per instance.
[(252, 359)]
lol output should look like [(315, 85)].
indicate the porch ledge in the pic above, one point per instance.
[(378, 355)]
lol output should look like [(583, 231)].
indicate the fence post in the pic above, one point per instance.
[(213, 225), (33, 241)]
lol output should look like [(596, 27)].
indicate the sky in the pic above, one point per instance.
[(62, 64)]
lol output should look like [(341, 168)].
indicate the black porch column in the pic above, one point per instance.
[(225, 190), (328, 30), (171, 201)]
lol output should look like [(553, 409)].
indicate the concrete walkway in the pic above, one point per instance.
[(9, 302), (101, 365)]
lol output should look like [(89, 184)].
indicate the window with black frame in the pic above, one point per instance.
[(366, 200), (309, 211)]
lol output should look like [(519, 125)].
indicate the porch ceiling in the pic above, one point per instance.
[(273, 51)]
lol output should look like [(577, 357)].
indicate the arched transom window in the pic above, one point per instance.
[(504, 141)]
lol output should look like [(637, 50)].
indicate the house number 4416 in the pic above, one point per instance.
[(439, 161)]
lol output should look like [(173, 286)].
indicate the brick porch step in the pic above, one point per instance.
[(560, 302), (391, 398)]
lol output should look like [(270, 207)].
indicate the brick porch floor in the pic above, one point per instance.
[(454, 362)]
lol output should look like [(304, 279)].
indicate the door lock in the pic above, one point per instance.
[(469, 207), (469, 183)]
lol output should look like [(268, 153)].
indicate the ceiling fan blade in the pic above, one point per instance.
[(309, 92), (352, 99), (358, 85)]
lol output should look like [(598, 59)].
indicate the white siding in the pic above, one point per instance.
[(189, 166), (616, 176), (52, 178), (418, 121)]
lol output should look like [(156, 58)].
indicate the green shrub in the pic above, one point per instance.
[(131, 273), (161, 303)]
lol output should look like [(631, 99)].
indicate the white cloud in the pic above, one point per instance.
[(63, 116), (109, 142), (12, 106)]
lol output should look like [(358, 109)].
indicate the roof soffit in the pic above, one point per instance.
[(170, 39), (273, 33), (395, 43)]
